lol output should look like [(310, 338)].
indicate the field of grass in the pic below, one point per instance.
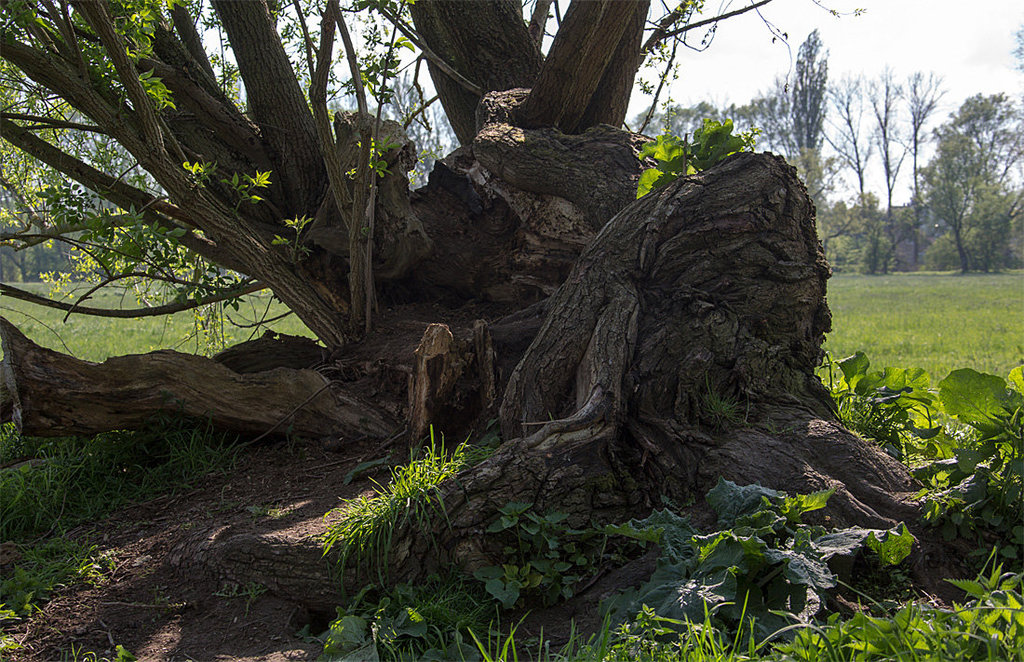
[(938, 322), (96, 338)]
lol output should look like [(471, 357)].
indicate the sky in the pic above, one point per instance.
[(972, 50)]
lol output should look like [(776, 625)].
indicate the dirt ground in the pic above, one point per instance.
[(161, 611)]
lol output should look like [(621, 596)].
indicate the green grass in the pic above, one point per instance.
[(934, 321), (96, 338), (363, 534), (74, 480), (54, 485), (938, 322)]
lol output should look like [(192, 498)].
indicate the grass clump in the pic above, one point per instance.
[(65, 481), (367, 523), (44, 568), (48, 486)]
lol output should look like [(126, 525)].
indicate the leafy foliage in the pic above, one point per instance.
[(548, 558), (676, 157), (964, 440), (764, 570), (990, 626), (431, 621)]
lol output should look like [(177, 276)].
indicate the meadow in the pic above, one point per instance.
[(96, 338), (938, 322)]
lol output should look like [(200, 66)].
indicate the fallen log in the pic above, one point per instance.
[(47, 393)]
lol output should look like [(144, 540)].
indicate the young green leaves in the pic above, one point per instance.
[(677, 157)]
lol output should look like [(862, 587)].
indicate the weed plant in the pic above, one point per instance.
[(363, 532), (46, 567)]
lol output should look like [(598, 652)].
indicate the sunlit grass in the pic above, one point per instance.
[(938, 322), (96, 338)]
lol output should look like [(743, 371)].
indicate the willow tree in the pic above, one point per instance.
[(647, 347)]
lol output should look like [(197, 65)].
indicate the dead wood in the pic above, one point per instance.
[(51, 394)]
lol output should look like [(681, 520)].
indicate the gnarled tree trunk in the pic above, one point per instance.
[(681, 348)]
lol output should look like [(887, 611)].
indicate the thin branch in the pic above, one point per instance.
[(661, 84), (155, 311), (51, 123), (371, 205), (318, 100), (154, 209), (121, 194), (190, 39), (306, 40), (419, 111), (353, 62), (111, 278), (658, 36), (436, 59), (98, 16), (538, 20)]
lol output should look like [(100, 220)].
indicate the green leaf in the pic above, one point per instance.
[(506, 594), (651, 179), (975, 398), (845, 542), (671, 531), (1016, 379), (892, 546), (362, 467), (854, 368), (489, 572), (730, 501), (664, 149), (795, 506)]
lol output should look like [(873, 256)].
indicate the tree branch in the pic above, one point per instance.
[(96, 13), (276, 102), (538, 20), (577, 62), (51, 123), (353, 60), (154, 209), (155, 311), (433, 57), (662, 33), (190, 39)]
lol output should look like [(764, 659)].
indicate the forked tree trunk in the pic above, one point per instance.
[(681, 348)]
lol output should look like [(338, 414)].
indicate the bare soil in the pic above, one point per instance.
[(159, 612)]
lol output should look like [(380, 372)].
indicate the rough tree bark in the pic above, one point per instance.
[(660, 343)]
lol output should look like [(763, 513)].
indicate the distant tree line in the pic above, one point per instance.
[(951, 192)]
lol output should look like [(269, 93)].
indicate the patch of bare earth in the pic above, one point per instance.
[(160, 608)]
